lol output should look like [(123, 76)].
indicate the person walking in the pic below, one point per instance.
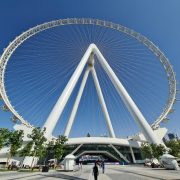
[(103, 167), (95, 171), (80, 164)]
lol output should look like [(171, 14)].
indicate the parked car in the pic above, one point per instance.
[(178, 161), (154, 163), (147, 162), (14, 165)]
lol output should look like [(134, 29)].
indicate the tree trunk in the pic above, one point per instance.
[(55, 163), (22, 165), (33, 161), (8, 159)]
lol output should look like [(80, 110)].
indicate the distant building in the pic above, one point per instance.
[(165, 139), (172, 136)]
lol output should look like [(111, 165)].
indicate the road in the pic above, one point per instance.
[(112, 172)]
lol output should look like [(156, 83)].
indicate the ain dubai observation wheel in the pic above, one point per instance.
[(56, 58)]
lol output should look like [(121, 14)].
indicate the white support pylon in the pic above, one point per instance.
[(61, 102), (76, 104), (102, 103), (131, 106), (132, 154)]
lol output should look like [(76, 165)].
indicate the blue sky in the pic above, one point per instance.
[(158, 20)]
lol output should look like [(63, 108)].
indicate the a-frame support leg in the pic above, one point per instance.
[(102, 103), (61, 102), (76, 104), (131, 106)]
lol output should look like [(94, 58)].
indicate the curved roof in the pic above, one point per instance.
[(103, 140)]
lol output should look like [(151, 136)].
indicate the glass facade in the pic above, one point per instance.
[(124, 150)]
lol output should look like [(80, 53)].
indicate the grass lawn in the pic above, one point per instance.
[(20, 170), (28, 170), (5, 169)]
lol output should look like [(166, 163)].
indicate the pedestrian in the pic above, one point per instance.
[(103, 166), (80, 165), (95, 171)]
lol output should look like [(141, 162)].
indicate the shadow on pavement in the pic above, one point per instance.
[(140, 174), (63, 176), (22, 177)]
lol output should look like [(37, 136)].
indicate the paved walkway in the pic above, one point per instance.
[(112, 172)]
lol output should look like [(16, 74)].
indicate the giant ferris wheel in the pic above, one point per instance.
[(70, 71)]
